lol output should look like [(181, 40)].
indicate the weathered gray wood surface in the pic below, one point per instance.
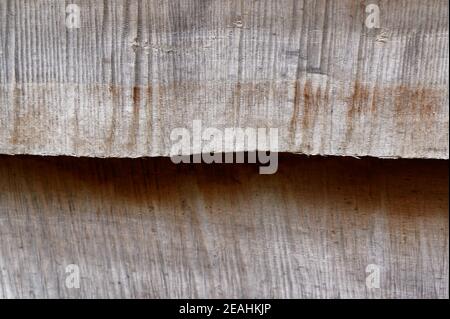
[(137, 69), (148, 228)]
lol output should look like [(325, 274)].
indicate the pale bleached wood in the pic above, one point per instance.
[(137, 69), (149, 228)]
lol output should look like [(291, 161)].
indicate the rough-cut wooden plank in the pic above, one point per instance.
[(148, 228), (137, 69)]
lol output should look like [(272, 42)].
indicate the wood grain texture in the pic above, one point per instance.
[(148, 228), (137, 69)]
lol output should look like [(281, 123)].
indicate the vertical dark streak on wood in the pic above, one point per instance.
[(293, 124), (149, 91), (323, 54), (328, 104), (149, 116), (296, 103), (240, 57), (113, 89), (359, 92), (15, 139), (125, 41), (134, 130), (356, 104), (103, 33), (324, 69), (311, 100), (66, 58)]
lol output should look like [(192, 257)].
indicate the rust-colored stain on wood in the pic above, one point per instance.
[(119, 86)]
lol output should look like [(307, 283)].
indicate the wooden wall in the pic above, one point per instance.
[(136, 69), (149, 228)]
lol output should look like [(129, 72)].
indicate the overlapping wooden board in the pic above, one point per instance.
[(135, 70), (148, 228)]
